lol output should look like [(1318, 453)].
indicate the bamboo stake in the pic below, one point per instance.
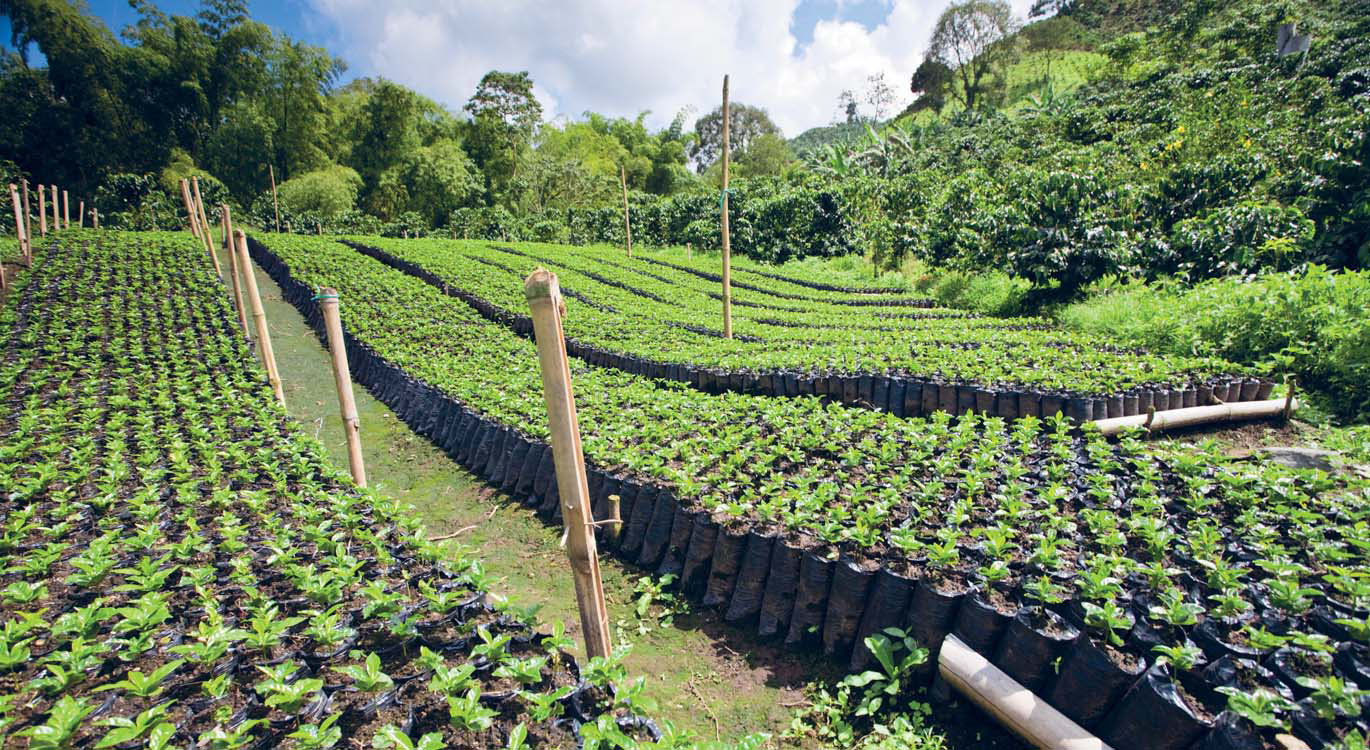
[(56, 220), (342, 377), (28, 223), (259, 317), (204, 222), (544, 299), (42, 211), (233, 271), (627, 227), (25, 252), (271, 169), (81, 215), (66, 210), (95, 218), (727, 240), (190, 212)]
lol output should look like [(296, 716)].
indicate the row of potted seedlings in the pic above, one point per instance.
[(635, 331), (1124, 572), (179, 565)]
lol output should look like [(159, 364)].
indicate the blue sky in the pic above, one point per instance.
[(792, 57)]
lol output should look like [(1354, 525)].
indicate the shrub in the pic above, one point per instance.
[(1310, 324), (323, 192)]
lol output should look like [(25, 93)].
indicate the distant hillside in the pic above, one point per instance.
[(824, 134)]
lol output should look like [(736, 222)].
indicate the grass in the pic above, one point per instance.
[(704, 675)]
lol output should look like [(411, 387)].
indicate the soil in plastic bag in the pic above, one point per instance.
[(810, 599), (728, 548), (694, 574), (1154, 716), (673, 562), (980, 622), (889, 600), (1092, 679), (778, 603), (851, 583), (1035, 639), (658, 533), (751, 578)]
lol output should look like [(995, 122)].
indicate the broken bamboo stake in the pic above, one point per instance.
[(342, 377), (259, 317), (25, 252), (727, 240), (271, 169), (627, 226), (547, 305), (42, 211), (233, 271)]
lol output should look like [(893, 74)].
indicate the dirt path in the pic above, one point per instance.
[(704, 675)]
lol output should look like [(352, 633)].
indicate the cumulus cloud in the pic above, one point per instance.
[(620, 58)]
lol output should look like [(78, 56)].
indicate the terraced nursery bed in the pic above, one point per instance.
[(181, 565), (1161, 596), (894, 354)]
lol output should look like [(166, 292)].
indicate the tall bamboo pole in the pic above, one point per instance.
[(275, 204), (342, 377), (727, 240), (204, 222), (25, 252), (544, 298), (233, 271), (66, 210), (42, 211), (259, 317), (627, 226)]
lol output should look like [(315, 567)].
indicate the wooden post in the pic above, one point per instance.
[(204, 222), (544, 298), (95, 218), (25, 252), (342, 377), (66, 210), (627, 226), (56, 220), (271, 169), (42, 211), (81, 215), (259, 317), (727, 241), (233, 270)]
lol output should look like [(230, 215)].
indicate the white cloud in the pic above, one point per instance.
[(620, 58)]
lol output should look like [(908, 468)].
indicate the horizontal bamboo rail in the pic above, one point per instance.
[(1170, 419), (1016, 707)]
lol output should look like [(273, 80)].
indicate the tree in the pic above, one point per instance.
[(745, 124), (441, 178), (930, 83), (847, 107), (969, 39), (766, 156), (879, 95), (504, 115)]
